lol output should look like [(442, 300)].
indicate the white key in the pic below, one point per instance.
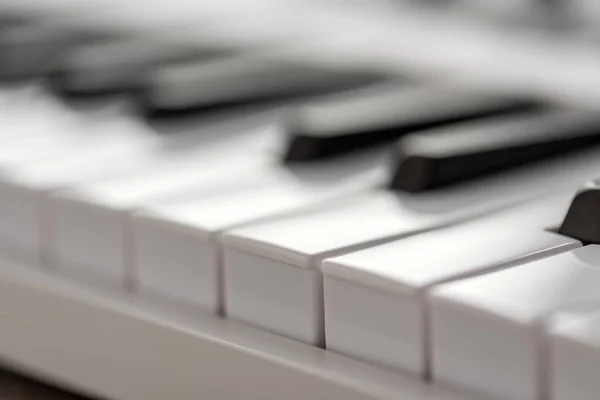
[(272, 276), (574, 359), (30, 117), (487, 332), (376, 299), (37, 127), (24, 184), (257, 259), (188, 231), (106, 205)]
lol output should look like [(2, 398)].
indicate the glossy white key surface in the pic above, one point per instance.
[(103, 251), (487, 331), (296, 245), (367, 221), (25, 185), (574, 354), (340, 227), (376, 299), (177, 244), (180, 165)]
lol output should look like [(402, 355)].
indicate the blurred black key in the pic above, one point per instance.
[(31, 50), (121, 65), (444, 156), (194, 88), (378, 114), (582, 221)]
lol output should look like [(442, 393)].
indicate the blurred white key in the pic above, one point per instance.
[(25, 183), (487, 332), (376, 299), (188, 231), (29, 115), (106, 204), (574, 360), (263, 262), (40, 136)]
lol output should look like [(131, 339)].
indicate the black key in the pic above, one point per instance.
[(30, 50), (582, 221), (195, 88), (382, 113), (445, 156), (120, 66)]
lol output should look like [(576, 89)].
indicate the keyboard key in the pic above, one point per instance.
[(31, 50), (381, 113), (37, 128), (119, 65), (376, 299), (580, 222), (431, 159), (574, 357), (261, 259), (487, 332), (235, 81), (104, 252), (25, 185), (188, 231), (108, 203)]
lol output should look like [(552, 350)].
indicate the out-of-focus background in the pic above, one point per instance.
[(544, 47)]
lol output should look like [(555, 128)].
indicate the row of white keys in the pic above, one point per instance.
[(514, 330), (377, 300), (42, 136), (108, 204), (171, 163), (24, 192), (187, 230), (488, 333), (54, 147), (264, 262), (177, 247), (77, 145)]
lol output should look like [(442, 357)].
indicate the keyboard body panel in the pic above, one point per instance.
[(146, 349)]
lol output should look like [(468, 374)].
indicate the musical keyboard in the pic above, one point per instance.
[(235, 219)]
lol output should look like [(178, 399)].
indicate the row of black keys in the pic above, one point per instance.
[(436, 151)]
